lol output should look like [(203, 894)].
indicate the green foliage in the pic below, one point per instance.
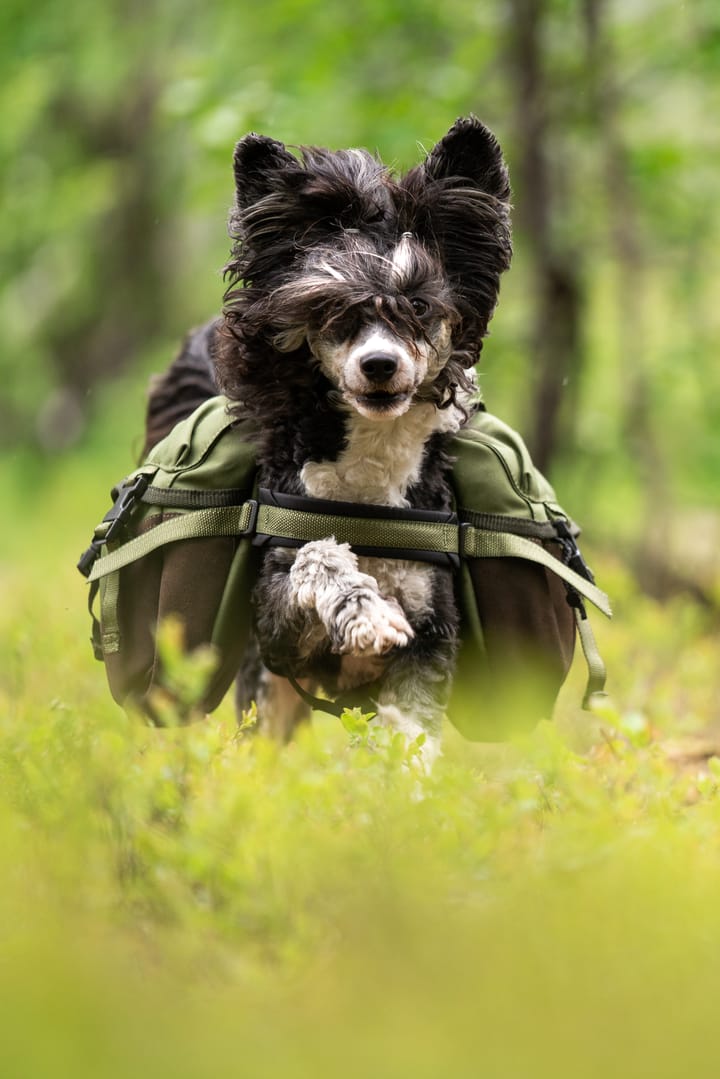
[(370, 740), (185, 677), (198, 900), (116, 158)]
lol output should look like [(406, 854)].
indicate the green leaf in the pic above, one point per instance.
[(355, 721)]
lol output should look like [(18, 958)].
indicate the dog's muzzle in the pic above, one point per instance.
[(379, 367)]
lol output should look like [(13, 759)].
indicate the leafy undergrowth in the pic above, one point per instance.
[(199, 902)]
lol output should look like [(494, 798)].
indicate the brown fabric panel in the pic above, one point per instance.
[(185, 579), (129, 671), (523, 606), (529, 632), (193, 581), (234, 623), (196, 580)]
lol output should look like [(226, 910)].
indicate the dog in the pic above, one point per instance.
[(356, 310)]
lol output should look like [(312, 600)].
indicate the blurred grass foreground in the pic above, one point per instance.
[(196, 902)]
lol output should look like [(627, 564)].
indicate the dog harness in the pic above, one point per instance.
[(199, 487)]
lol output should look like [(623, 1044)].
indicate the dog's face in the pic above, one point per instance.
[(386, 284), (377, 317), (380, 373)]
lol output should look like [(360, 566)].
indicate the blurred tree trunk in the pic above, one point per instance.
[(624, 233), (127, 251), (555, 269), (126, 256), (651, 558)]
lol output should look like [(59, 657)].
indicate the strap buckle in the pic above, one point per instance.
[(252, 523), (125, 498), (463, 531), (571, 552)]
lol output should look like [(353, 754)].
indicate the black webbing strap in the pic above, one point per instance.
[(361, 698), (194, 500)]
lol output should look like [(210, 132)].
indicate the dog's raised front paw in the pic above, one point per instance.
[(368, 624), (358, 620)]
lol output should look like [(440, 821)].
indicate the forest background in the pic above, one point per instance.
[(115, 152), (183, 901)]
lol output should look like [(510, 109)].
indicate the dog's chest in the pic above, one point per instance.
[(377, 466), (378, 463)]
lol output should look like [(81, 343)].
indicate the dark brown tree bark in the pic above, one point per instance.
[(555, 346), (125, 258), (626, 243)]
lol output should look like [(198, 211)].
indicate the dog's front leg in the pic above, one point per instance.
[(416, 689), (357, 619)]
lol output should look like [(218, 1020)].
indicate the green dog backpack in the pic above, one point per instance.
[(184, 538)]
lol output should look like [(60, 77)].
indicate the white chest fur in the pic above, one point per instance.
[(380, 459), (379, 463)]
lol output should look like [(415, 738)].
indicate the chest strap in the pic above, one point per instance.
[(410, 534)]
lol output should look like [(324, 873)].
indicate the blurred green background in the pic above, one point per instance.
[(188, 903), (119, 123)]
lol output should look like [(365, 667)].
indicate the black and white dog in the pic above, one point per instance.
[(355, 314)]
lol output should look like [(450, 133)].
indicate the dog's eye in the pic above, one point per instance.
[(342, 326), (420, 307)]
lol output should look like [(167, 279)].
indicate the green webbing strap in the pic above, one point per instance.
[(303, 526), (179, 498), (109, 595), (597, 672), (479, 543), (498, 522), (432, 536), (466, 541), (224, 521), (435, 536)]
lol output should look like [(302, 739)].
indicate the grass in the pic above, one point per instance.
[(195, 902)]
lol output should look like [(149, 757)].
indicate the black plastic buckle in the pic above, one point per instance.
[(575, 600), (128, 495), (462, 532), (125, 499), (571, 552), (254, 510), (89, 557)]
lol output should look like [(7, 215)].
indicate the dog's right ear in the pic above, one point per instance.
[(458, 204), (470, 152), (258, 163)]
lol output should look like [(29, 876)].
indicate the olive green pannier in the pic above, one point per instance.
[(183, 536)]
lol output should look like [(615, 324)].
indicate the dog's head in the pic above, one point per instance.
[(386, 284)]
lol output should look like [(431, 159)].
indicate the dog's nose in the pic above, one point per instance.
[(379, 367)]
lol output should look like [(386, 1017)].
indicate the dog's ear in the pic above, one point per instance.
[(458, 203), (471, 152), (259, 163)]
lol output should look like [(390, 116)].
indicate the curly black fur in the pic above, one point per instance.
[(188, 382), (325, 246), (289, 211)]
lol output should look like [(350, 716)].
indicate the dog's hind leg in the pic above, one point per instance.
[(280, 710)]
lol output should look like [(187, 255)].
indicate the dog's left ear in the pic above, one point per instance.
[(471, 152)]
